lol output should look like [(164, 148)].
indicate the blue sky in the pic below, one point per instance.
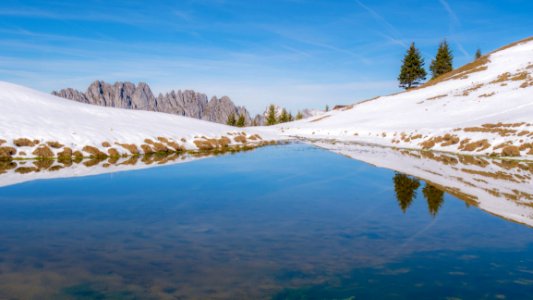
[(296, 53)]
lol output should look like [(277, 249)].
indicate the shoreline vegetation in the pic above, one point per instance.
[(28, 149)]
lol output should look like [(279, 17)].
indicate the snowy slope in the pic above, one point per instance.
[(457, 112), (500, 188), (26, 113)]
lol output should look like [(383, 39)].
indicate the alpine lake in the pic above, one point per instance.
[(296, 221)]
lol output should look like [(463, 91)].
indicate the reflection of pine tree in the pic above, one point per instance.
[(405, 188), (434, 197)]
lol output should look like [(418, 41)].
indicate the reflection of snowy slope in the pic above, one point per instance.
[(23, 171), (473, 109), (503, 188)]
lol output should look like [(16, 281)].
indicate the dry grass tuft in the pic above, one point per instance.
[(486, 95), (2, 142), (94, 152), (149, 141), (204, 145), (255, 137), (132, 148), (146, 149), (475, 146), (460, 73), (160, 148), (240, 139), (6, 153), (54, 144), (112, 152), (321, 118), (43, 152), (24, 142), (77, 156), (106, 144), (510, 151), (437, 97)]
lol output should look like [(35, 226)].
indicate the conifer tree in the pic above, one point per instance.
[(291, 118), (284, 116), (299, 116), (271, 115), (241, 122), (231, 120), (478, 53), (443, 62), (412, 71), (327, 108)]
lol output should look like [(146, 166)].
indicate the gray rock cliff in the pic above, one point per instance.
[(184, 103)]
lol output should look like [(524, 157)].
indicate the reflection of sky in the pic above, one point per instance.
[(248, 224)]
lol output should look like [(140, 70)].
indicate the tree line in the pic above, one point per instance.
[(412, 72)]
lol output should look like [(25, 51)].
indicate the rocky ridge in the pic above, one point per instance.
[(139, 96)]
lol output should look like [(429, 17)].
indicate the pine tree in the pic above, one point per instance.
[(241, 122), (231, 120), (443, 62), (283, 117), (327, 108), (478, 53), (299, 116), (412, 71), (291, 118), (271, 115)]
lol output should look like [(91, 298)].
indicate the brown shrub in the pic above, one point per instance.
[(476, 146), (510, 151), (77, 156), (175, 146), (428, 144), (24, 142), (43, 152), (65, 154), (106, 144), (132, 148), (437, 97), (54, 144), (520, 76), (255, 137), (240, 139), (223, 142), (160, 148), (94, 152), (112, 152), (163, 139), (147, 149), (204, 145), (6, 153), (486, 95)]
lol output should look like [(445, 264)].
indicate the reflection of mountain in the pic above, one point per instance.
[(14, 172), (500, 187)]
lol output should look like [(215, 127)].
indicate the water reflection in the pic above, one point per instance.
[(500, 187), (406, 188), (18, 171), (288, 222)]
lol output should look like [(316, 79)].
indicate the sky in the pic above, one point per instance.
[(294, 53)]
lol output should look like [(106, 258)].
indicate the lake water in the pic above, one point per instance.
[(282, 222)]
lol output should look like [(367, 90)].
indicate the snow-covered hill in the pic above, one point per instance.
[(484, 107), (35, 124)]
